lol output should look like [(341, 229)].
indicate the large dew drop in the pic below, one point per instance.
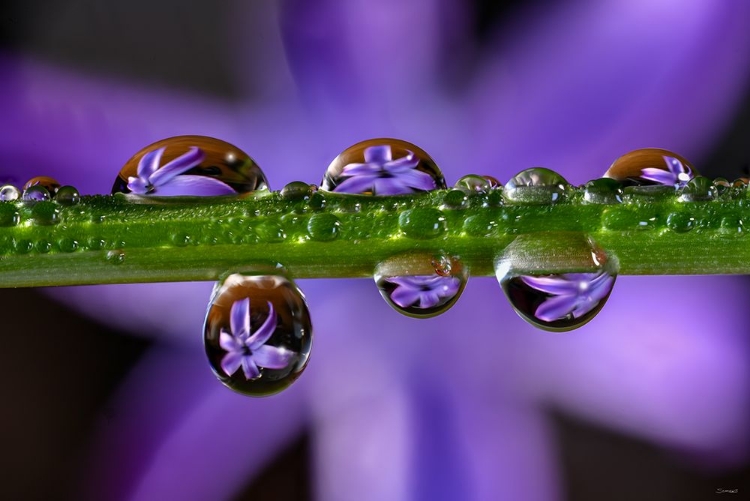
[(652, 166), (257, 333), (383, 167), (556, 301), (190, 166), (421, 285)]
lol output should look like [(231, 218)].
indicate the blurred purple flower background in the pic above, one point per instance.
[(570, 86)]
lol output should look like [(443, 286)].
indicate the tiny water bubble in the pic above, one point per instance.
[(422, 223), (190, 166), (680, 221), (116, 256), (455, 199), (23, 246), (698, 189), (551, 300), (323, 227), (45, 213), (257, 333), (36, 193), (67, 195), (536, 186), (317, 201), (182, 239), (9, 193), (9, 215), (421, 285), (472, 183), (297, 190), (603, 191), (649, 166), (68, 245), (383, 166), (43, 246), (494, 182)]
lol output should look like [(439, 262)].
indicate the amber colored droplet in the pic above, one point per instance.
[(383, 166), (205, 167), (49, 183), (257, 333), (494, 182), (629, 168)]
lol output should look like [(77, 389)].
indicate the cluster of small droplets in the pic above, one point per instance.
[(40, 189), (257, 331)]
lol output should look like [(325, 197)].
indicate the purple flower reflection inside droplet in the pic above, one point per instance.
[(678, 174), (249, 351), (573, 294), (423, 291), (382, 175), (171, 180)]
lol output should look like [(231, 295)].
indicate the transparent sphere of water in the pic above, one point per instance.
[(537, 185)]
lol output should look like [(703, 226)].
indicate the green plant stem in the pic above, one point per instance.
[(124, 239)]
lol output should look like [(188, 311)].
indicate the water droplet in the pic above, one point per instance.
[(23, 246), (323, 227), (9, 215), (740, 183), (36, 193), (45, 213), (317, 201), (383, 167), (67, 195), (116, 256), (190, 166), (455, 199), (603, 191), (421, 285), (257, 333), (680, 221), (43, 246), (481, 225), (560, 290), (494, 183), (182, 239), (733, 224), (68, 245), (698, 189), (271, 231), (472, 183), (49, 183), (297, 190), (422, 223), (649, 166), (97, 243), (536, 186), (9, 193)]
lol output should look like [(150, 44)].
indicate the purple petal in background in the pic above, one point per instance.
[(569, 87)]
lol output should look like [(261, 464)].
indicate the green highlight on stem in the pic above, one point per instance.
[(316, 234)]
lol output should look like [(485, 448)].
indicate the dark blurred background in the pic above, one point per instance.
[(59, 368)]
